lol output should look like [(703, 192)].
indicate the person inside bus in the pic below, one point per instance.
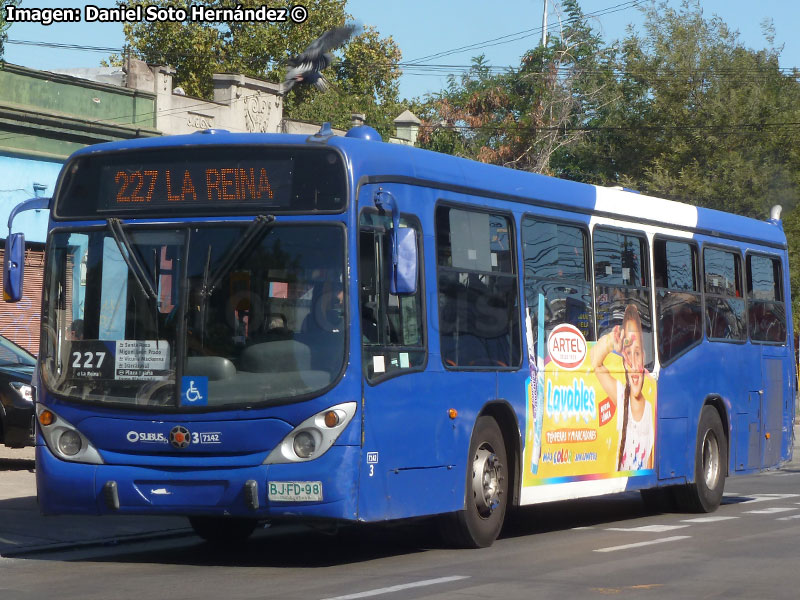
[(76, 330), (323, 328), (634, 412)]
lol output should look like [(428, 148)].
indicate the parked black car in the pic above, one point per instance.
[(16, 395)]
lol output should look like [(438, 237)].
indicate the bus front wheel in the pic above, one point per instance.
[(221, 530), (486, 496), (711, 460)]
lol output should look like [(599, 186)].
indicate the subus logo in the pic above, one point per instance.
[(137, 436), (567, 346)]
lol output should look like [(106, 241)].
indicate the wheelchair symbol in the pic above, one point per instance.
[(192, 393)]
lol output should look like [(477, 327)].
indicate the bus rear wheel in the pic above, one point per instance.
[(222, 530), (710, 464), (486, 496)]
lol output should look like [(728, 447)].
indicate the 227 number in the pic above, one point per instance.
[(91, 360)]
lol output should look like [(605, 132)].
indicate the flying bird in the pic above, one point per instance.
[(307, 66)]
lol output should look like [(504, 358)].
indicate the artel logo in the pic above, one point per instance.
[(567, 346)]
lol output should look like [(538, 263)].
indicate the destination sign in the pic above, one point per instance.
[(210, 179), (267, 183)]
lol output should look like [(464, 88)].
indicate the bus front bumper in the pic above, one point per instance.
[(324, 488)]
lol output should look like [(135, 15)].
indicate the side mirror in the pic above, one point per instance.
[(404, 264), (13, 267), (404, 247)]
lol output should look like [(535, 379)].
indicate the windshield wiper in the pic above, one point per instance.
[(251, 235), (134, 265)]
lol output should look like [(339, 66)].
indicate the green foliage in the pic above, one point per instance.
[(694, 115), (521, 117), (3, 24), (364, 81), (682, 110), (791, 227)]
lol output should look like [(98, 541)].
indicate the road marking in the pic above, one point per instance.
[(674, 538), (647, 528), (788, 518), (750, 498), (770, 511), (708, 519), (397, 588), (615, 591)]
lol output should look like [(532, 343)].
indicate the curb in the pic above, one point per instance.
[(97, 543)]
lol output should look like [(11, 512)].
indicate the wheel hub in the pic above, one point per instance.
[(711, 466), (486, 478)]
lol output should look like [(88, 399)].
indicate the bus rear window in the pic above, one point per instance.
[(204, 180)]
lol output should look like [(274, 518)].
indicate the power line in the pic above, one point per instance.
[(104, 49), (519, 35), (417, 68), (735, 128)]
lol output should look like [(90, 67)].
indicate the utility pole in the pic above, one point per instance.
[(544, 24)]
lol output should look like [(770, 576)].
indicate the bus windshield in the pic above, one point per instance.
[(216, 316)]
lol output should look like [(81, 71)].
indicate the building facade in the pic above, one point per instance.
[(44, 117)]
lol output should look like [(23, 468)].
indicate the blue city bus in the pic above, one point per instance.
[(248, 328)]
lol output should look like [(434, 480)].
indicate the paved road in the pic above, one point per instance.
[(582, 549), (23, 529)]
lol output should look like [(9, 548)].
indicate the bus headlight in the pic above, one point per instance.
[(304, 444), (313, 437), (64, 440), (69, 442)]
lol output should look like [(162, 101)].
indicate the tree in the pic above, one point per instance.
[(365, 81), (5, 25), (520, 118), (791, 227), (693, 115)]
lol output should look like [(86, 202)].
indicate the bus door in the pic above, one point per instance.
[(767, 325), (772, 403), (408, 448)]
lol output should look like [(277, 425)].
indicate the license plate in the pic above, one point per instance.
[(295, 491)]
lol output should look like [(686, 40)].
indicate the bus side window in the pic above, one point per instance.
[(621, 279), (478, 298), (678, 303), (392, 334), (724, 298), (766, 309), (556, 267)]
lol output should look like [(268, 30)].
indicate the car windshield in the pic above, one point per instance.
[(219, 316), (12, 355)]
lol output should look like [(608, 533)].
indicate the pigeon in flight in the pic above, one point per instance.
[(306, 67)]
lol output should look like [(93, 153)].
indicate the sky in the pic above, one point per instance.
[(422, 28)]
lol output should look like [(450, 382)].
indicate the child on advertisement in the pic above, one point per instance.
[(635, 414)]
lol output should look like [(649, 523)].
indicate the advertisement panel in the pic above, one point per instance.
[(591, 406)]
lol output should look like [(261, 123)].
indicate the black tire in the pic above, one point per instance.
[(222, 530), (486, 493), (710, 466)]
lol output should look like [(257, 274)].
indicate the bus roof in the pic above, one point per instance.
[(378, 162)]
